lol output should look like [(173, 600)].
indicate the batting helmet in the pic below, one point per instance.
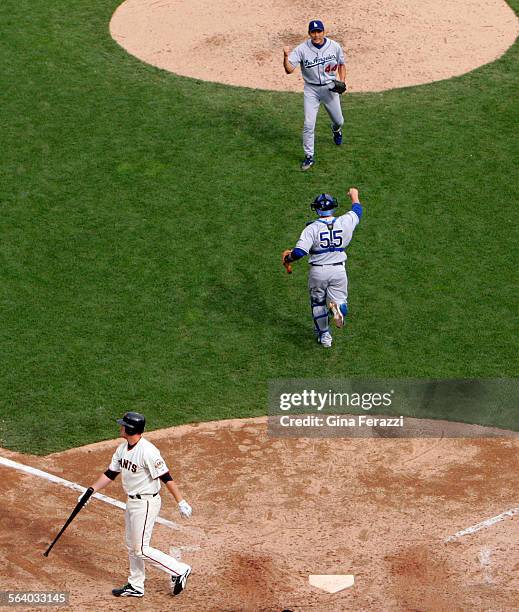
[(324, 204), (133, 423)]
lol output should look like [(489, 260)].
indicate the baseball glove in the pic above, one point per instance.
[(286, 263), (339, 87)]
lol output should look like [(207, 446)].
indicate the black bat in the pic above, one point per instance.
[(86, 496)]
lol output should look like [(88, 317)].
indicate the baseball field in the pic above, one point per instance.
[(143, 217)]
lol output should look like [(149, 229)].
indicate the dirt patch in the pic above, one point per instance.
[(268, 512), (422, 581), (387, 45)]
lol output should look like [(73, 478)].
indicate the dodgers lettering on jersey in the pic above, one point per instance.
[(326, 241), (318, 66), (140, 467)]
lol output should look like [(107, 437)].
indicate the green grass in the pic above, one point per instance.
[(143, 216)]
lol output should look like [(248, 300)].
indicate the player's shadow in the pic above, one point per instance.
[(250, 308), (249, 125)]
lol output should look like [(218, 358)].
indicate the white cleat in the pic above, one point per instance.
[(326, 340), (338, 317)]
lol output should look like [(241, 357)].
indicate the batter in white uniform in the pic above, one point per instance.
[(322, 62), (324, 241), (143, 469)]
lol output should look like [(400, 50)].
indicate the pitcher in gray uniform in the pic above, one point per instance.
[(322, 63), (324, 241)]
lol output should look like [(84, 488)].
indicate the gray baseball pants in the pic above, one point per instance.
[(326, 284), (314, 96)]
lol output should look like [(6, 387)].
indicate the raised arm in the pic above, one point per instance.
[(356, 205), (286, 64)]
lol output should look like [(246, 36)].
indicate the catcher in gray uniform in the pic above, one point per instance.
[(324, 241), (323, 70)]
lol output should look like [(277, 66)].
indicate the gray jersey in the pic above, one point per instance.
[(318, 66), (325, 241)]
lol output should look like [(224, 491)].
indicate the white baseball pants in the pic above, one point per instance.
[(314, 96), (140, 519)]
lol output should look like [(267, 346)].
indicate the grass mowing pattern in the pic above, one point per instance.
[(143, 216)]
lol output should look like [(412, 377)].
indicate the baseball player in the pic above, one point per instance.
[(324, 73), (324, 241), (143, 469)]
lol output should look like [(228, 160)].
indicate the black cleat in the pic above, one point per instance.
[(179, 582), (337, 136), (127, 591), (307, 163)]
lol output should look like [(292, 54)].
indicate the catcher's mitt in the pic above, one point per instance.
[(339, 87), (286, 263)]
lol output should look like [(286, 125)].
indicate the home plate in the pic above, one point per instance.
[(332, 583)]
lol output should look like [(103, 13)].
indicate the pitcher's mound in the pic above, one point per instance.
[(387, 44)]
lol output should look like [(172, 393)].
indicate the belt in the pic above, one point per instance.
[(141, 495), (319, 84), (341, 263)]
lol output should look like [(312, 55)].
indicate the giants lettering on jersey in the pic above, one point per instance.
[(319, 60), (128, 465)]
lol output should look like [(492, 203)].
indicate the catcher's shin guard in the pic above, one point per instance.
[(320, 316)]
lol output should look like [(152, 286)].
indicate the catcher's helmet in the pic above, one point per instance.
[(133, 423), (324, 204)]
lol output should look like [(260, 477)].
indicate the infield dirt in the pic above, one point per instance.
[(387, 44), (268, 512)]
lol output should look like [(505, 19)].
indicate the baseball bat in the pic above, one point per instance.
[(86, 496)]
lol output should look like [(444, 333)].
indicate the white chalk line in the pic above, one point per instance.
[(73, 485), (483, 525), (114, 502)]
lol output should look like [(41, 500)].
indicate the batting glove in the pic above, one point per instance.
[(81, 497), (185, 509)]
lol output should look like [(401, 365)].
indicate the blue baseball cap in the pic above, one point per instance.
[(315, 25)]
